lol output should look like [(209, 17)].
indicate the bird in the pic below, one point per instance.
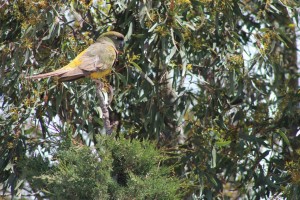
[(95, 62)]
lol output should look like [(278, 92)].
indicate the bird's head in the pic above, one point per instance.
[(115, 37)]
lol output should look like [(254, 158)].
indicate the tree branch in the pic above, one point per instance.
[(104, 107)]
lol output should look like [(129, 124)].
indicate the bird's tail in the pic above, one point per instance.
[(62, 74), (46, 75)]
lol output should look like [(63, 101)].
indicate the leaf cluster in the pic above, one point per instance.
[(120, 169)]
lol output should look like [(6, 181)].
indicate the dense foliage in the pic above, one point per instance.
[(212, 82), (120, 169)]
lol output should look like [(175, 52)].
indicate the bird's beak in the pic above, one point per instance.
[(121, 45)]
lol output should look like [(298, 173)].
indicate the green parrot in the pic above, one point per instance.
[(95, 62)]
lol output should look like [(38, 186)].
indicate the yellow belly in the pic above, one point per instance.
[(98, 75)]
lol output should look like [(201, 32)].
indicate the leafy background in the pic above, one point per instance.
[(220, 119)]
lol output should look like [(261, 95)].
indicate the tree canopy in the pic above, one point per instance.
[(206, 100)]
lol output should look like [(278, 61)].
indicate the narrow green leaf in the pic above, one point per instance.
[(153, 27), (284, 137), (171, 54), (137, 67), (214, 158), (257, 88), (223, 143)]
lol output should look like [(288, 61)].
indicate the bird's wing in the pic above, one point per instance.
[(96, 58)]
